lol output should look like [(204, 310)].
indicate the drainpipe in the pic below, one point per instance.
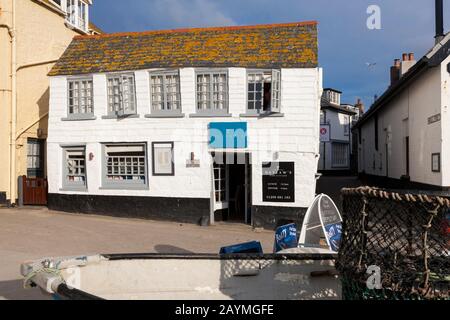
[(12, 173)]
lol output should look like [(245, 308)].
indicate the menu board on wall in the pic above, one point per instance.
[(278, 181)]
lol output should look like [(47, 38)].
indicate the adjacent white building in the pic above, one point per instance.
[(187, 125), (336, 121), (404, 137)]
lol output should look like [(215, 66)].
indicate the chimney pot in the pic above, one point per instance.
[(405, 57), (397, 63), (411, 56)]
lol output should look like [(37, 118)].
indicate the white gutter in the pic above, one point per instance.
[(12, 173)]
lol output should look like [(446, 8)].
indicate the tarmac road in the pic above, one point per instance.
[(35, 233)]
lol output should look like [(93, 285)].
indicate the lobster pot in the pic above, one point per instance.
[(395, 245)]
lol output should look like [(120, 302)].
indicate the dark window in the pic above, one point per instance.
[(407, 155), (35, 158), (376, 132)]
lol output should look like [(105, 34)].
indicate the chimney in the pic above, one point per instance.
[(439, 21), (407, 63), (360, 106), (395, 72)]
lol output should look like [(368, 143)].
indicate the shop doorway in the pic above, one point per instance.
[(232, 187)]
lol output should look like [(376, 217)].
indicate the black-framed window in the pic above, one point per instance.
[(35, 158), (436, 162), (163, 159)]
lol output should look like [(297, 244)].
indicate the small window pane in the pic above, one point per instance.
[(80, 97), (75, 167), (121, 164)]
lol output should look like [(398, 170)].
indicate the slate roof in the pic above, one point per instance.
[(325, 104), (289, 45)]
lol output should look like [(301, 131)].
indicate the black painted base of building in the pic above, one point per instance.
[(185, 210)]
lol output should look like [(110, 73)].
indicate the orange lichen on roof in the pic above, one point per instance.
[(288, 45)]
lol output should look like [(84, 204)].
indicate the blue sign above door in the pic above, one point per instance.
[(228, 135)]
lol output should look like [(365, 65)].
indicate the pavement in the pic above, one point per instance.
[(35, 233), (332, 185)]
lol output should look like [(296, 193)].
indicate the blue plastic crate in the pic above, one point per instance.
[(249, 247)]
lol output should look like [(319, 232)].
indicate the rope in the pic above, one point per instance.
[(28, 279), (382, 194)]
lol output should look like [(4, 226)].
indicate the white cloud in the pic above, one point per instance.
[(189, 13)]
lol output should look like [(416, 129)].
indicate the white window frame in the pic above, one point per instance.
[(210, 110), (74, 16), (334, 163), (123, 161), (74, 185), (125, 107), (87, 99), (165, 102), (158, 147), (275, 102)]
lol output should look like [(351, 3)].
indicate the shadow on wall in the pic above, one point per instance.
[(43, 104)]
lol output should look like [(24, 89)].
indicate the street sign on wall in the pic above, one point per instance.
[(325, 133)]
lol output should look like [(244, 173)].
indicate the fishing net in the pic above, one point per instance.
[(394, 246)]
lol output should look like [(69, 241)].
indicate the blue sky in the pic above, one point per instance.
[(346, 45)]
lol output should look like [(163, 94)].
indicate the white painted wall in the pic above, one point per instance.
[(445, 96), (295, 136), (407, 115)]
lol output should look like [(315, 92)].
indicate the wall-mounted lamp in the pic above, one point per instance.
[(276, 155), (91, 156), (40, 132)]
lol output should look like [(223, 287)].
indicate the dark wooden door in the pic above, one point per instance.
[(34, 191)]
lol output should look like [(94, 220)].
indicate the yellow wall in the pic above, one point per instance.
[(41, 37)]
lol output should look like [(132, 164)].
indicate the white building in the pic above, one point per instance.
[(336, 121), (122, 106), (404, 136)]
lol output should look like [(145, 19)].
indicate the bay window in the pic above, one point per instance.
[(125, 166), (77, 14)]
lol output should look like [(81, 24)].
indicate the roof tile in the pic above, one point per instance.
[(291, 45)]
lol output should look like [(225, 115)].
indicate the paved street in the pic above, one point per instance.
[(33, 233), (332, 185)]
